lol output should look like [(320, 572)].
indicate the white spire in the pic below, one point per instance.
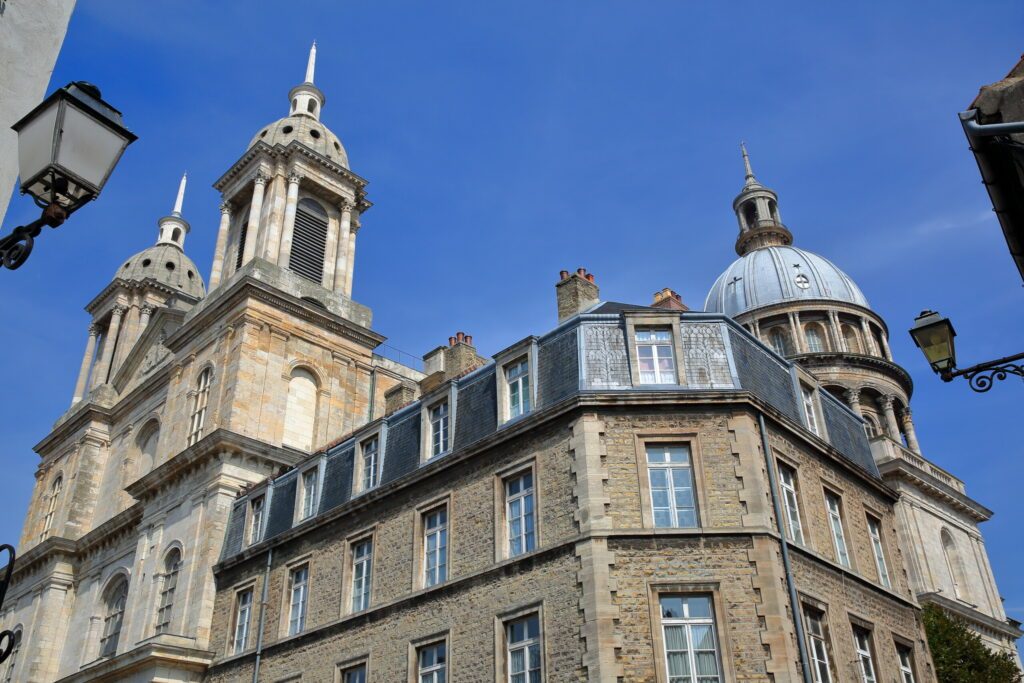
[(181, 195), (311, 64), (746, 161)]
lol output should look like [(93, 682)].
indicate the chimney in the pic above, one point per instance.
[(575, 293), (398, 396), (670, 300), (446, 362)]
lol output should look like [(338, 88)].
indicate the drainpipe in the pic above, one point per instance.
[(263, 612), (373, 393), (794, 601)]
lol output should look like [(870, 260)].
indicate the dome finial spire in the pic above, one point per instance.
[(746, 163), (180, 200), (311, 63)]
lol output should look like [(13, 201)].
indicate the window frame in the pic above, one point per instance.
[(429, 404), (344, 668), (56, 488), (694, 441), (12, 660), (348, 570), (165, 604), (787, 491), (420, 541), (518, 352), (865, 654), (910, 667), (292, 568), (671, 467), (503, 646), (359, 476), (111, 595), (721, 623), (878, 551), (522, 383), (642, 319), (811, 409), (843, 533), (236, 620), (819, 611), (301, 499), (254, 532), (503, 550), (433, 640), (200, 398)]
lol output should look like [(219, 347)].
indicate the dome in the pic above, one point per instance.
[(168, 265), (776, 274), (306, 130)]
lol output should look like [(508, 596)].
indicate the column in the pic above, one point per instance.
[(222, 244), (908, 430), (853, 400), (83, 372), (128, 336), (837, 332), (145, 312), (869, 339), (344, 241), (253, 233), (755, 327), (280, 248), (103, 367), (799, 341), (885, 346), (351, 259), (890, 418)]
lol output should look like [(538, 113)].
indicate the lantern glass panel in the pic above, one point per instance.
[(88, 149), (35, 143)]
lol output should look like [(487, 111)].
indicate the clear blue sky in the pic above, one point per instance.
[(506, 141)]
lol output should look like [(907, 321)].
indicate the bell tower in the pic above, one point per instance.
[(757, 210)]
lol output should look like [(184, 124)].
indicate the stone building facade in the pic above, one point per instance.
[(244, 489)]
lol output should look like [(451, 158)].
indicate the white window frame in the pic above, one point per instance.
[(435, 559), (527, 518), (298, 598), (51, 507), (200, 403), (672, 471), (687, 623), (113, 620), (661, 349), (347, 675), (243, 616), (532, 648), (818, 331), (905, 655), (834, 508), (12, 659), (307, 498), (361, 567), (439, 425), (436, 672), (790, 502), (168, 586), (810, 406), (369, 470), (817, 644), (865, 658), (257, 518), (521, 386), (877, 546)]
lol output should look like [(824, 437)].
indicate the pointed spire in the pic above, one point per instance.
[(746, 164), (311, 64), (181, 195)]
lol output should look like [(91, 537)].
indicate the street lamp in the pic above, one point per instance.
[(934, 334), (67, 148)]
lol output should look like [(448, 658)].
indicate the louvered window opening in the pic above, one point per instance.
[(309, 242)]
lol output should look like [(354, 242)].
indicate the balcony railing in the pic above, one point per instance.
[(884, 448)]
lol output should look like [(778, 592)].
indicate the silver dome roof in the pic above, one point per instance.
[(777, 274), (166, 264), (306, 130)]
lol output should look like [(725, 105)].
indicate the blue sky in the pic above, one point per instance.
[(506, 141)]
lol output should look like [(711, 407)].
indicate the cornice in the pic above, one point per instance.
[(80, 416), (902, 470), (842, 358), (974, 616), (147, 283), (151, 654)]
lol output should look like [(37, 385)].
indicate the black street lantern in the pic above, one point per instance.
[(67, 148), (934, 334)]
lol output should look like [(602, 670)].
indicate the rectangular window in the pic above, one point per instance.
[(906, 656), (517, 376), (875, 529), (791, 506), (519, 513), (835, 520), (691, 648), (308, 493), (655, 361), (299, 583), (370, 463), (817, 645), (523, 640), (167, 588), (355, 674), (243, 612), (362, 568), (432, 663), (199, 404), (256, 507), (439, 429), (862, 639), (670, 472), (810, 410), (435, 546)]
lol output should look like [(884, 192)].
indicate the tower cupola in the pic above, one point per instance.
[(173, 228), (757, 210), (306, 98)]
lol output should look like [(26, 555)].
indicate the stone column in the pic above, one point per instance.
[(885, 347), (103, 367), (344, 240), (799, 341), (890, 418), (351, 260), (280, 248), (83, 372), (853, 400), (129, 334), (755, 329), (144, 314), (222, 244), (259, 185), (908, 430), (869, 339), (837, 332)]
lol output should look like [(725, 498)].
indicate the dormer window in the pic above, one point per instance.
[(810, 405), (439, 433), (369, 463), (517, 377), (655, 360)]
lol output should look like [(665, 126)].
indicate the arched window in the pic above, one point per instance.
[(13, 659), (199, 404), (750, 215), (300, 410), (311, 106), (168, 584), (113, 619), (51, 506), (779, 341), (240, 244), (851, 338), (309, 241), (773, 209), (148, 439), (955, 564), (815, 338), (871, 426)]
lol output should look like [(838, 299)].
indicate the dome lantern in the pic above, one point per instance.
[(757, 210)]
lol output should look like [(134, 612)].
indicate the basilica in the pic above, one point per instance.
[(245, 489)]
